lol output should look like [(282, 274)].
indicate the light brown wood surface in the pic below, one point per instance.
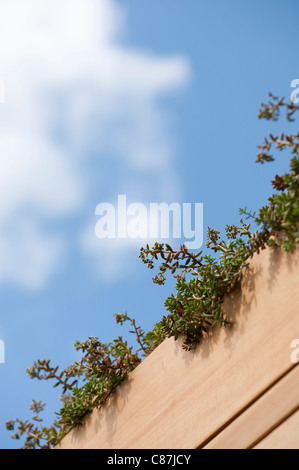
[(285, 436), (262, 417), (177, 399)]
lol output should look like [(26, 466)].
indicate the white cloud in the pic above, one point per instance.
[(72, 90), (27, 254)]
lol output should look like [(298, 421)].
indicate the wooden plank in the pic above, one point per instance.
[(178, 399), (262, 417), (285, 436)]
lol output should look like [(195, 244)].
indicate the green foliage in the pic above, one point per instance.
[(197, 306), (202, 282), (85, 384), (37, 436)]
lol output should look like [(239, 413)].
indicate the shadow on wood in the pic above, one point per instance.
[(178, 399)]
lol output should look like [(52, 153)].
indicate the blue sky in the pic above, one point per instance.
[(155, 100)]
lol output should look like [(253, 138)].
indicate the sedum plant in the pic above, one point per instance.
[(202, 282)]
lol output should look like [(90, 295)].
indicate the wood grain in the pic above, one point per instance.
[(273, 407), (285, 436), (178, 399)]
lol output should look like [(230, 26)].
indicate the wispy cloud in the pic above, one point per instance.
[(81, 109)]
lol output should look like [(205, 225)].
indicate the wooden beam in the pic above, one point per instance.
[(262, 417), (177, 399), (285, 436)]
